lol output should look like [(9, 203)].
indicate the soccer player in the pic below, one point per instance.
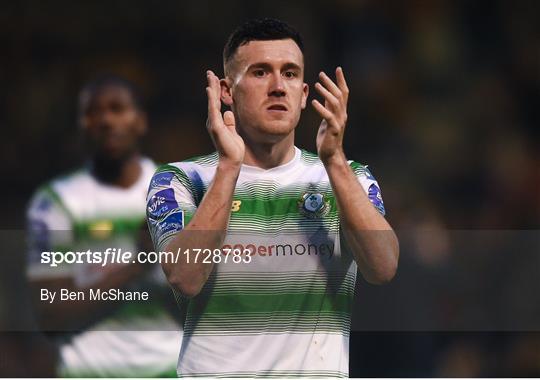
[(282, 230), (97, 207)]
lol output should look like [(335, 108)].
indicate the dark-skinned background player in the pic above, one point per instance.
[(98, 207)]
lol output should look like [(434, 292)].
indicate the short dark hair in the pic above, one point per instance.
[(264, 29), (106, 80)]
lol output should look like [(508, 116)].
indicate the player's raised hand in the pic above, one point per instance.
[(334, 114), (222, 127)]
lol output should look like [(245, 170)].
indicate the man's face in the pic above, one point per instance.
[(265, 88), (111, 122)]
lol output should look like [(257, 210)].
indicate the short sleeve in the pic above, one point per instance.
[(370, 185), (48, 228), (170, 204)]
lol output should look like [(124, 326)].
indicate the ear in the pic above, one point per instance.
[(226, 91), (305, 93)]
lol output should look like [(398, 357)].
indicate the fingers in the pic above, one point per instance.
[(322, 110), (228, 119), (212, 116), (329, 84), (335, 99), (327, 95), (342, 84), (213, 82), (334, 110), (214, 102), (340, 91)]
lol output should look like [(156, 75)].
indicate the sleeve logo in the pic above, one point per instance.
[(375, 196), (172, 223), (161, 179), (161, 203)]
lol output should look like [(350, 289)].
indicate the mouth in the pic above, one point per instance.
[(277, 107), (111, 139)]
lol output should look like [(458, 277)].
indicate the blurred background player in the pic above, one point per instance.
[(97, 207)]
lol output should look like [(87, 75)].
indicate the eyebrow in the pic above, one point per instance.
[(267, 66)]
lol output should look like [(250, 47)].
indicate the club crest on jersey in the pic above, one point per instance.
[(313, 205)]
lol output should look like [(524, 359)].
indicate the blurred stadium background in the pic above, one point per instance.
[(444, 108)]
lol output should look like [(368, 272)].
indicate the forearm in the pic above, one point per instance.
[(206, 230), (367, 233)]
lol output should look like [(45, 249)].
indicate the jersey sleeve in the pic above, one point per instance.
[(48, 229), (370, 185), (170, 204)]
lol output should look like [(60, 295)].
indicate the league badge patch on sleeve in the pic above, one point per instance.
[(172, 223), (375, 196), (44, 204), (161, 203), (161, 179)]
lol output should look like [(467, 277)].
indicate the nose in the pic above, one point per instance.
[(106, 119), (277, 85)]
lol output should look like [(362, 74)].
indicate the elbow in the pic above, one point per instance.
[(383, 276), (385, 272), (186, 287)]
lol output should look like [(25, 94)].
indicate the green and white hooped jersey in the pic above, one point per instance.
[(282, 307), (76, 212)]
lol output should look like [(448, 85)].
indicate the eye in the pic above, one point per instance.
[(90, 111), (118, 107), (290, 74), (258, 73)]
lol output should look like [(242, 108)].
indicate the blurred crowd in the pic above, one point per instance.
[(444, 108)]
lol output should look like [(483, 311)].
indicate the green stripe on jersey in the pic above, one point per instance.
[(248, 303), (205, 160), (254, 303)]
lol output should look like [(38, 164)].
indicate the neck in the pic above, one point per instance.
[(117, 172), (267, 156)]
